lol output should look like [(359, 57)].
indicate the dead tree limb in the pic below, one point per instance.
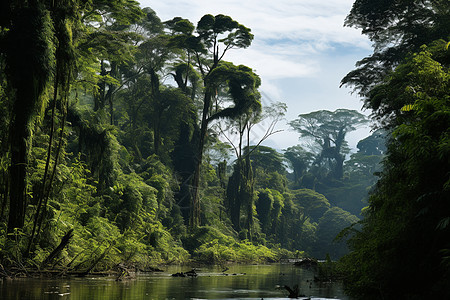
[(64, 242)]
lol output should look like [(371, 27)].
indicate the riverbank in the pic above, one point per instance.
[(250, 282), (204, 246)]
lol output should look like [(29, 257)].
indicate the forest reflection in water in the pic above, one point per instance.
[(242, 282)]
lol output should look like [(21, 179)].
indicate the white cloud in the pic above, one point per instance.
[(289, 35), (270, 92), (267, 63), (282, 19)]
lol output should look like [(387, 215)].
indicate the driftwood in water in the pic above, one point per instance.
[(190, 273), (295, 292), (124, 272), (14, 272)]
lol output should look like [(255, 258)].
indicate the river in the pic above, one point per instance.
[(242, 282)]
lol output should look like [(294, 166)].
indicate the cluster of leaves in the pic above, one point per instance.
[(215, 247)]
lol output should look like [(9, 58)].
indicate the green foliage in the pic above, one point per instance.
[(295, 229), (299, 160), (111, 154), (214, 252), (397, 28), (264, 207), (271, 180), (163, 247), (269, 206), (375, 144), (313, 204), (244, 252), (410, 202), (211, 27), (351, 192), (266, 158), (287, 219), (204, 234), (242, 84), (330, 224)]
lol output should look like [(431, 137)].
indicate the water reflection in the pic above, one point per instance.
[(250, 282)]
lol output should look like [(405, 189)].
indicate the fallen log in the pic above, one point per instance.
[(64, 242)]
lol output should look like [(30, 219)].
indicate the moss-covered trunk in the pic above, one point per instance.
[(29, 63)]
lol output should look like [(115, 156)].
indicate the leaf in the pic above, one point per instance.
[(408, 107), (443, 223)]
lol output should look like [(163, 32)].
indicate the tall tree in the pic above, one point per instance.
[(328, 130), (181, 37), (215, 36), (241, 184), (29, 62), (299, 160), (109, 43), (62, 14)]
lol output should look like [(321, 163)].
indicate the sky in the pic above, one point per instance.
[(301, 51)]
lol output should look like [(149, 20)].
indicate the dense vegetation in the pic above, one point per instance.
[(402, 251), (117, 137)]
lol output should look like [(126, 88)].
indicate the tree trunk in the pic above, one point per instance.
[(195, 203), (41, 192), (247, 191), (28, 60), (339, 167), (233, 196), (18, 172), (157, 135), (99, 98)]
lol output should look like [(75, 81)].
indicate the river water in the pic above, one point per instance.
[(242, 282)]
